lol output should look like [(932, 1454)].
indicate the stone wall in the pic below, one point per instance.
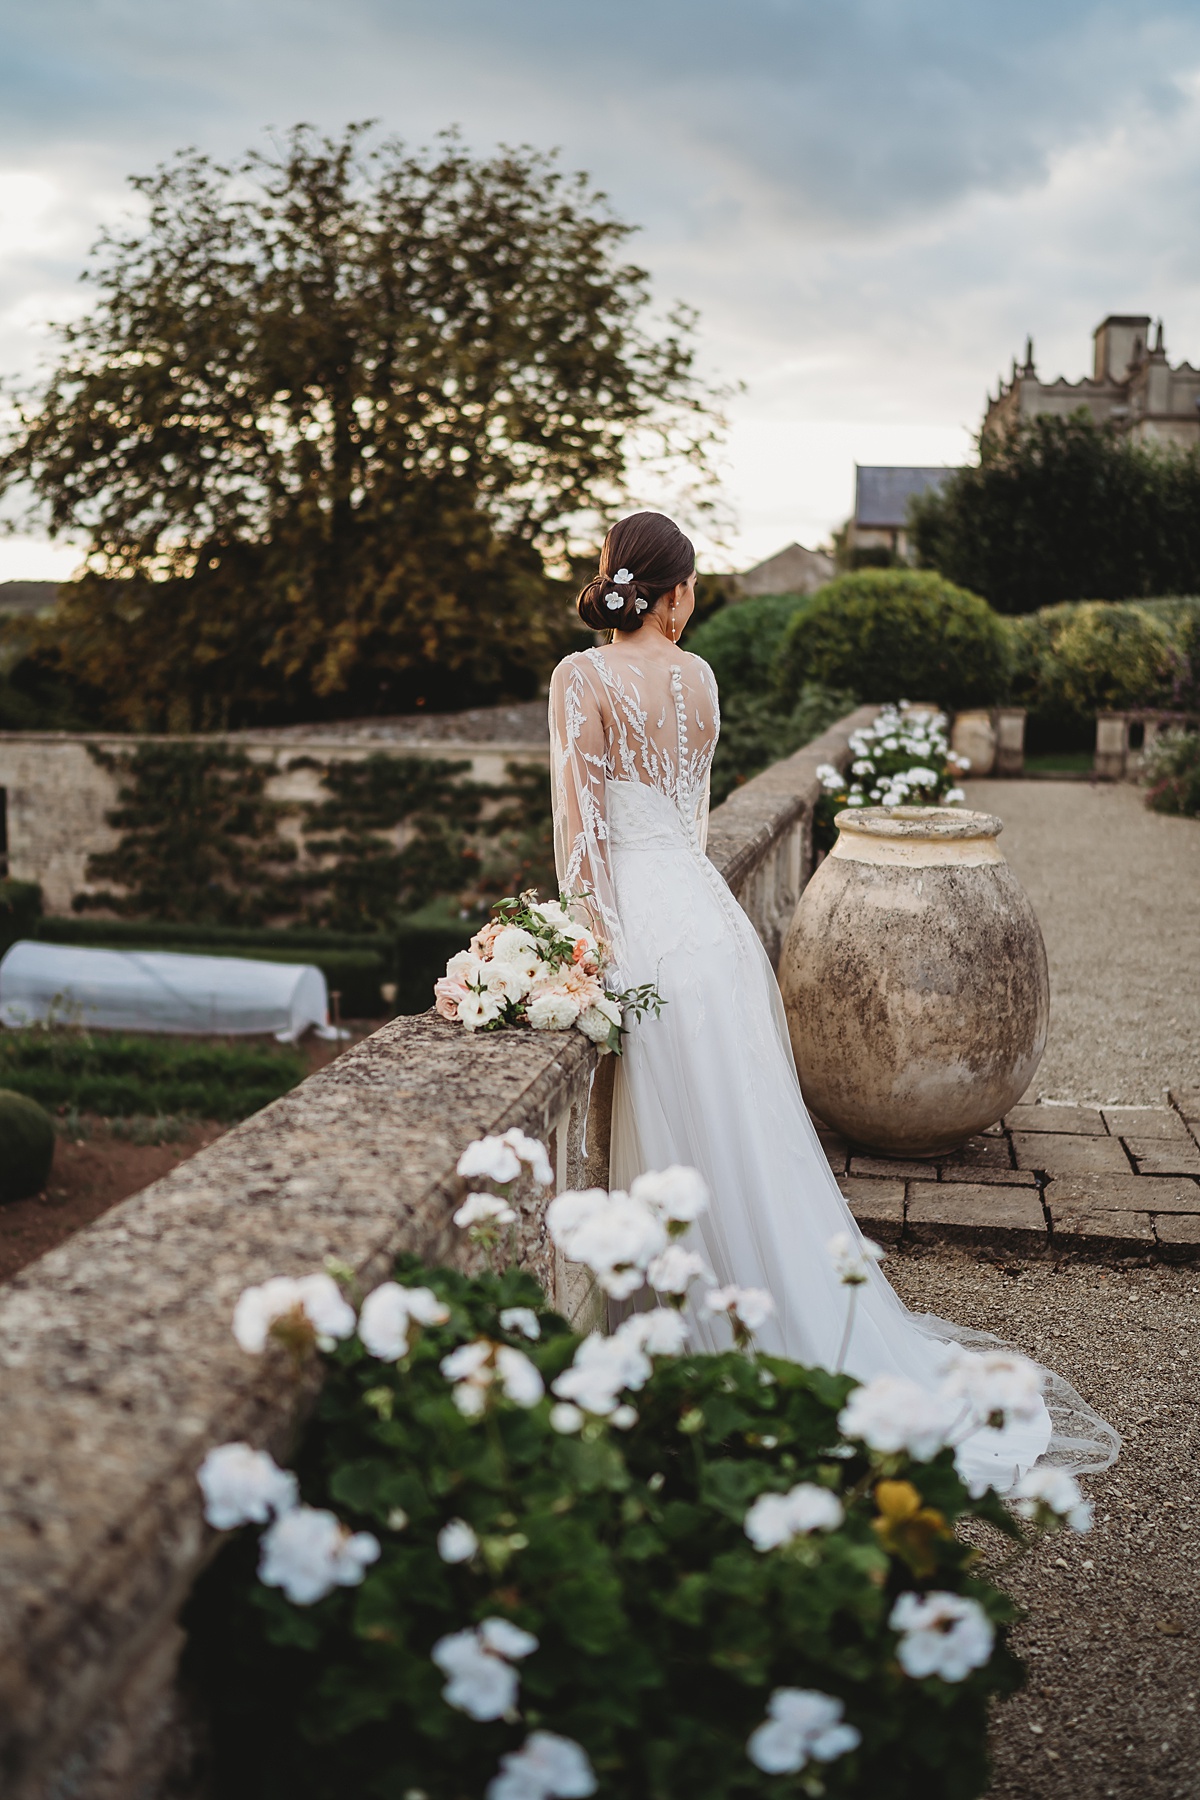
[(118, 1370), (58, 796)]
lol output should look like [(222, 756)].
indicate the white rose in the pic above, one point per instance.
[(551, 1011), (478, 1010), (464, 967)]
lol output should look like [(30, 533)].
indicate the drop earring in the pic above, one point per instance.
[(674, 625)]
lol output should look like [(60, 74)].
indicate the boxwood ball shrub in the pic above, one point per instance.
[(26, 1146), (740, 643), (884, 632), (513, 1564)]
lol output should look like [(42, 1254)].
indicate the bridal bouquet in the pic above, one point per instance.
[(533, 964)]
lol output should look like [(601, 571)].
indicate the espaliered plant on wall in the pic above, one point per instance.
[(201, 839)]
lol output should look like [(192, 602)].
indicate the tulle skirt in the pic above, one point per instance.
[(711, 1083)]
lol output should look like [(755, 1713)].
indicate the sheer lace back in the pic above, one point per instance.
[(616, 717)]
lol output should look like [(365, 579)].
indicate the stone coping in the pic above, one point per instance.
[(1106, 1183), (118, 1370), (755, 816)]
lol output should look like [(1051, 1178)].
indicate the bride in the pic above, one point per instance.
[(711, 1082)]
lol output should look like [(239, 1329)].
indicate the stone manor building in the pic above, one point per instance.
[(1132, 386)]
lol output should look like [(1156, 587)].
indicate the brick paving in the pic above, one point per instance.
[(1098, 1181)]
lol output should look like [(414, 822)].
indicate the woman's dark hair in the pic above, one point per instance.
[(652, 551)]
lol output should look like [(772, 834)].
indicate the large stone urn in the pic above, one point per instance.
[(914, 976)]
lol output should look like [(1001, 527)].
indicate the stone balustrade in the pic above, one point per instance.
[(118, 1370)]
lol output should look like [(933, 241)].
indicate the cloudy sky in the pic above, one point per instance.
[(869, 201)]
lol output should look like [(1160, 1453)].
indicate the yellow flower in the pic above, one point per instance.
[(906, 1528)]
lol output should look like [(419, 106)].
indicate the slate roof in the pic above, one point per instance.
[(881, 495)]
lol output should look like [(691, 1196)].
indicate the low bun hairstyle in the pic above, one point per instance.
[(652, 553)]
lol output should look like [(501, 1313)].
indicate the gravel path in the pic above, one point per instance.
[(1117, 890), (1113, 1635)]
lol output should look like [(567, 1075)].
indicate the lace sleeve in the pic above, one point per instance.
[(703, 792), (578, 780)]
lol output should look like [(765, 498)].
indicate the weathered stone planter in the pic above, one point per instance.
[(915, 980)]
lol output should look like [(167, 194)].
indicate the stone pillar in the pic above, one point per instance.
[(973, 738), (1010, 740), (1112, 746)]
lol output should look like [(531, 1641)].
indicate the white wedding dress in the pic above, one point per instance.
[(711, 1083)]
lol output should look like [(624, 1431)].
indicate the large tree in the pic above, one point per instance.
[(332, 415), (1064, 509)]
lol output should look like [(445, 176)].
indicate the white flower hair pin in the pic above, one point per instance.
[(640, 605), (625, 575), (613, 600)]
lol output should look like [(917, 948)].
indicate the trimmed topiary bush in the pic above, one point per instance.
[(740, 643), (26, 1146), (891, 633)]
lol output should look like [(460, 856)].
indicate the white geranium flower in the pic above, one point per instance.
[(852, 1257), (546, 1767), (532, 1152), (470, 1367), (662, 1332), (522, 1319), (489, 1159), (614, 1235), (552, 1011), (480, 1683), (478, 1010), (503, 1638), (566, 1419), (997, 1386), (675, 1269), (484, 1209), (519, 1378), (456, 1542), (941, 1634), (624, 1418), (892, 1413), (387, 1312), (776, 1519), (802, 1726), (242, 1486), (828, 776), (863, 766), (677, 1194), (317, 1297), (954, 795), (309, 1552), (602, 1368), (751, 1307), (1055, 1491)]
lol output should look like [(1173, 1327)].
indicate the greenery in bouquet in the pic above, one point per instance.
[(528, 1564), (903, 759), (534, 964)]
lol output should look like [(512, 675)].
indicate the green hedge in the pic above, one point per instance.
[(891, 634), (121, 1076), (741, 642), (1072, 661), (20, 910)]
